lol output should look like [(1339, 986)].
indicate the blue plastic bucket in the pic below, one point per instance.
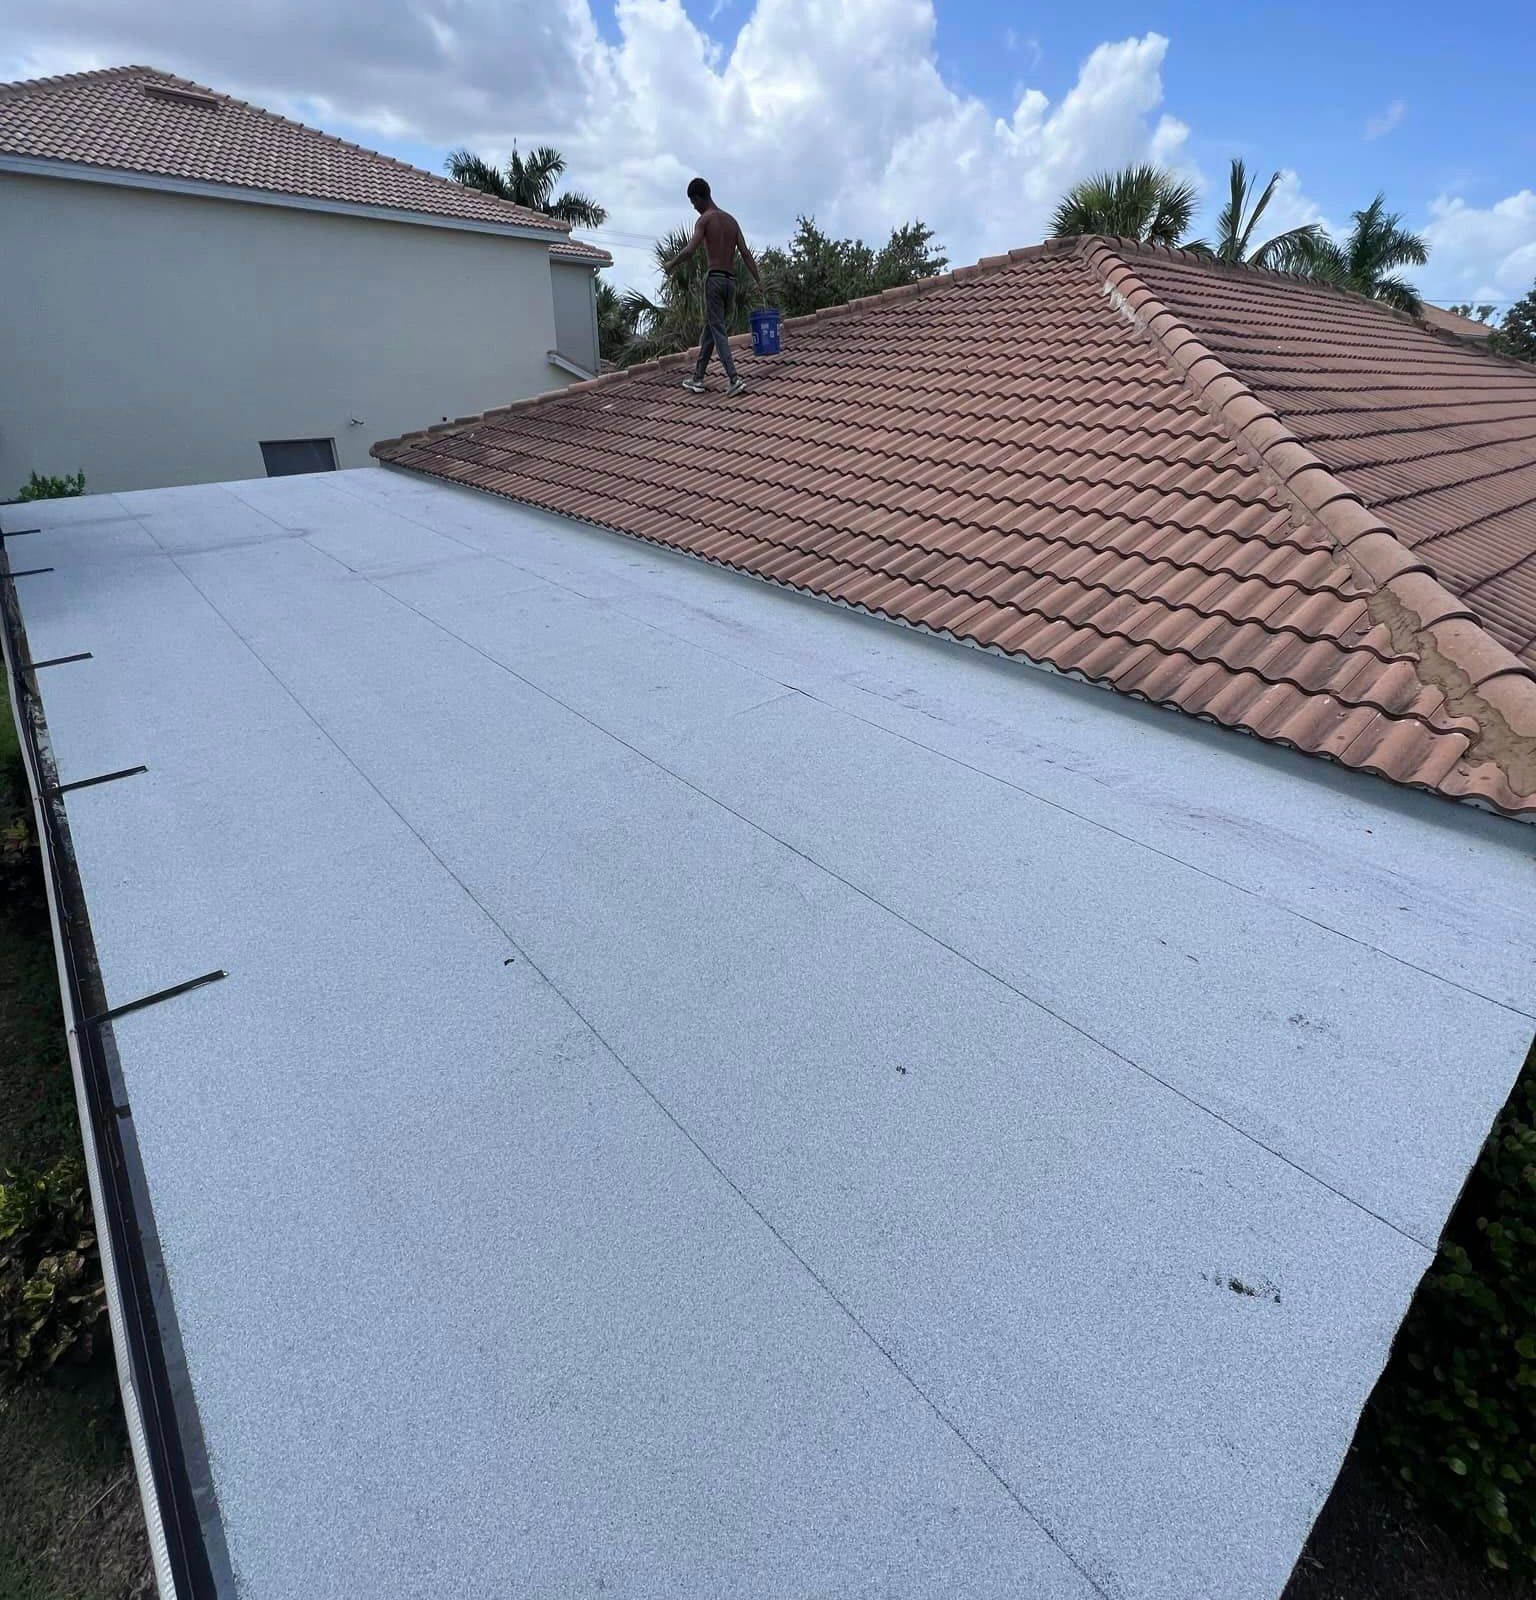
[(765, 332)]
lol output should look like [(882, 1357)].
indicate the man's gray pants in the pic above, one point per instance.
[(719, 292)]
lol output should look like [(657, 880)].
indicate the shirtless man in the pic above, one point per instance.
[(720, 235)]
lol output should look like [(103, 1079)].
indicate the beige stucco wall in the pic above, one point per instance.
[(157, 339)]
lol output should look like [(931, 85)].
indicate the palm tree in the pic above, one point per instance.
[(1295, 250), (671, 322), (1145, 203), (614, 326), (528, 181), (1365, 262)]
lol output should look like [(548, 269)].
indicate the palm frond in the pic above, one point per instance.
[(1259, 207), (1398, 292), (465, 167), (544, 163), (1295, 250), (1142, 202), (1229, 223), (579, 210)]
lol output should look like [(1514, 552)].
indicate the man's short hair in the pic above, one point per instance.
[(698, 190)]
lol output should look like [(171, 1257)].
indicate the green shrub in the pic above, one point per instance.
[(1457, 1404), (65, 488), (52, 1303)]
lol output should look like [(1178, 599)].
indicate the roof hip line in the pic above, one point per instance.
[(1479, 677)]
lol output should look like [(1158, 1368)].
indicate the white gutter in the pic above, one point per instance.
[(39, 167), (133, 1412)]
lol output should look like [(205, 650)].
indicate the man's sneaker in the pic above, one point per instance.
[(694, 385), (738, 386)]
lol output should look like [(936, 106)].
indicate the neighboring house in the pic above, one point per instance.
[(199, 289), (1453, 323), (1266, 503)]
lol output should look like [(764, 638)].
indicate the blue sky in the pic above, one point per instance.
[(864, 112), (1297, 86)]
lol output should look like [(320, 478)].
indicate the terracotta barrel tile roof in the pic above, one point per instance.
[(136, 119), (579, 250), (1086, 455), (1439, 441)]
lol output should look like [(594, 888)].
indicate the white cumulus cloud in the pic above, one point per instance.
[(1481, 253), (1391, 118), (836, 108)]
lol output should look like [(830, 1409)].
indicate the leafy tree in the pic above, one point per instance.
[(815, 270), (1516, 334), (527, 181), (1291, 251), (1145, 203), (1367, 260), (1473, 313)]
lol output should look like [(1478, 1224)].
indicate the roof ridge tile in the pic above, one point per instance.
[(1409, 599)]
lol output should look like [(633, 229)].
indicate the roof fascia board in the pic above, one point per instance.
[(41, 167)]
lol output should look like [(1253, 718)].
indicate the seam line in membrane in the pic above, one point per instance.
[(1427, 1246), (664, 553), (953, 1427)]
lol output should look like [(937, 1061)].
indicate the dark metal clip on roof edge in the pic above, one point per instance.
[(89, 783), (155, 998)]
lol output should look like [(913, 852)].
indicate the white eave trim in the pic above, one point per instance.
[(39, 167)]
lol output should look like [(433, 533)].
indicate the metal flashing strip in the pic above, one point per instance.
[(175, 1486), (59, 661), (155, 998), (90, 783)]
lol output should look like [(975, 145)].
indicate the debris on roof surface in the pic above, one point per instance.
[(137, 119), (1129, 465)]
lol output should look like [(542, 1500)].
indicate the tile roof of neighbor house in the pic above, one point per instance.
[(580, 250), (1269, 504), (138, 119), (1452, 322)]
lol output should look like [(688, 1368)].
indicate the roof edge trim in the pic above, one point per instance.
[(1479, 677)]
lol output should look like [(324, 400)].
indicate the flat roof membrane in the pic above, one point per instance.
[(718, 1095)]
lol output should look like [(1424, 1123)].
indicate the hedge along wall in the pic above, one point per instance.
[(1456, 1407)]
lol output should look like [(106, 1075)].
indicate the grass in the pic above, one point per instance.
[(70, 1523)]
